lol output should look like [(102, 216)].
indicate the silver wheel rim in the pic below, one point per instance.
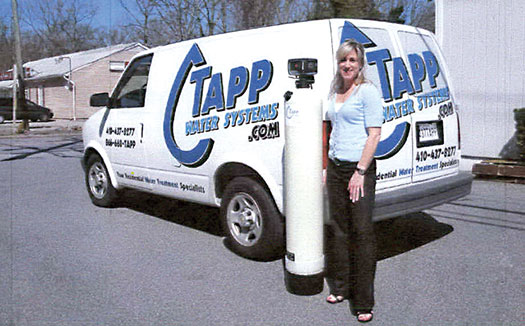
[(244, 219), (98, 180)]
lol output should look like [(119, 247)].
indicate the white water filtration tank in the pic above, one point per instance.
[(303, 192)]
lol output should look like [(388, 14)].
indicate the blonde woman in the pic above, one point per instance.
[(356, 115)]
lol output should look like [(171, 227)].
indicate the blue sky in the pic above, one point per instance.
[(109, 12)]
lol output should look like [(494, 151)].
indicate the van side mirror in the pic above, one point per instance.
[(99, 99)]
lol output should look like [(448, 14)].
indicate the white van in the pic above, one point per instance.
[(203, 121)]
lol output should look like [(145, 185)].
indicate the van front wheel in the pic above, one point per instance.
[(100, 189), (253, 226)]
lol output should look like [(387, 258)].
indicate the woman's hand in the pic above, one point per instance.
[(356, 187)]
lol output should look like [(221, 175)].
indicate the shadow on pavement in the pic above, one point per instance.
[(195, 216), (402, 234), (21, 151), (395, 236)]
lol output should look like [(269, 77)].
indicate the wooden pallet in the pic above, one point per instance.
[(500, 168)]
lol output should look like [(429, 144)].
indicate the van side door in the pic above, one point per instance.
[(123, 131)]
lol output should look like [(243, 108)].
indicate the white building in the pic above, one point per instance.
[(484, 44), (65, 83)]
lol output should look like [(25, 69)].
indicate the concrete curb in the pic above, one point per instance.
[(50, 128)]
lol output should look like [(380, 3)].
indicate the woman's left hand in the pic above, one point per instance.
[(356, 187)]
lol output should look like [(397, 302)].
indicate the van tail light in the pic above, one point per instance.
[(459, 130), (327, 129)]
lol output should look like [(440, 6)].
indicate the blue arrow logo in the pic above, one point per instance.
[(392, 144), (351, 32), (199, 154)]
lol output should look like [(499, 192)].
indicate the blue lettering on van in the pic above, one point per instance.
[(212, 98), (251, 115), (418, 71), (432, 67), (197, 78), (398, 110), (432, 98), (402, 81), (199, 126), (380, 58), (262, 72), (261, 77), (237, 85)]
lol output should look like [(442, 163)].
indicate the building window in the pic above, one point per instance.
[(117, 65), (40, 95)]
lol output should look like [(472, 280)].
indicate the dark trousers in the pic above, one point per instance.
[(351, 243)]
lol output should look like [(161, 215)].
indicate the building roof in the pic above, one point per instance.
[(53, 67)]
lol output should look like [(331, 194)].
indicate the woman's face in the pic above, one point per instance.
[(349, 66)]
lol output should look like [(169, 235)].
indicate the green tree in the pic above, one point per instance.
[(419, 13), (394, 15), (363, 9), (255, 13)]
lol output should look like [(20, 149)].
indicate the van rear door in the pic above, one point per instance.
[(435, 136)]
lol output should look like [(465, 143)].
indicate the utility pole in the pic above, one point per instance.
[(18, 79)]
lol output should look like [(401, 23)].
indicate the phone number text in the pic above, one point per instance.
[(121, 143), (118, 131), (434, 154)]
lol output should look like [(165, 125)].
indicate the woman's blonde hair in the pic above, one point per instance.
[(343, 50)]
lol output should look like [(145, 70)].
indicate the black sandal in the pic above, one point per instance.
[(363, 313)]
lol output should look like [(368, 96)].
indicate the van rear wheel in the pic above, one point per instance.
[(100, 189), (253, 226)]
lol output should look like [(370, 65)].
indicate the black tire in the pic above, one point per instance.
[(98, 183), (253, 226), (44, 118)]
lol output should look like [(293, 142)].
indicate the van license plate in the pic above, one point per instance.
[(429, 133)]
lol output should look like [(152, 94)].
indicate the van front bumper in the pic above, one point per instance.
[(423, 195)]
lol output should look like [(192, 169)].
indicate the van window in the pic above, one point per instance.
[(131, 90), (415, 43)]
